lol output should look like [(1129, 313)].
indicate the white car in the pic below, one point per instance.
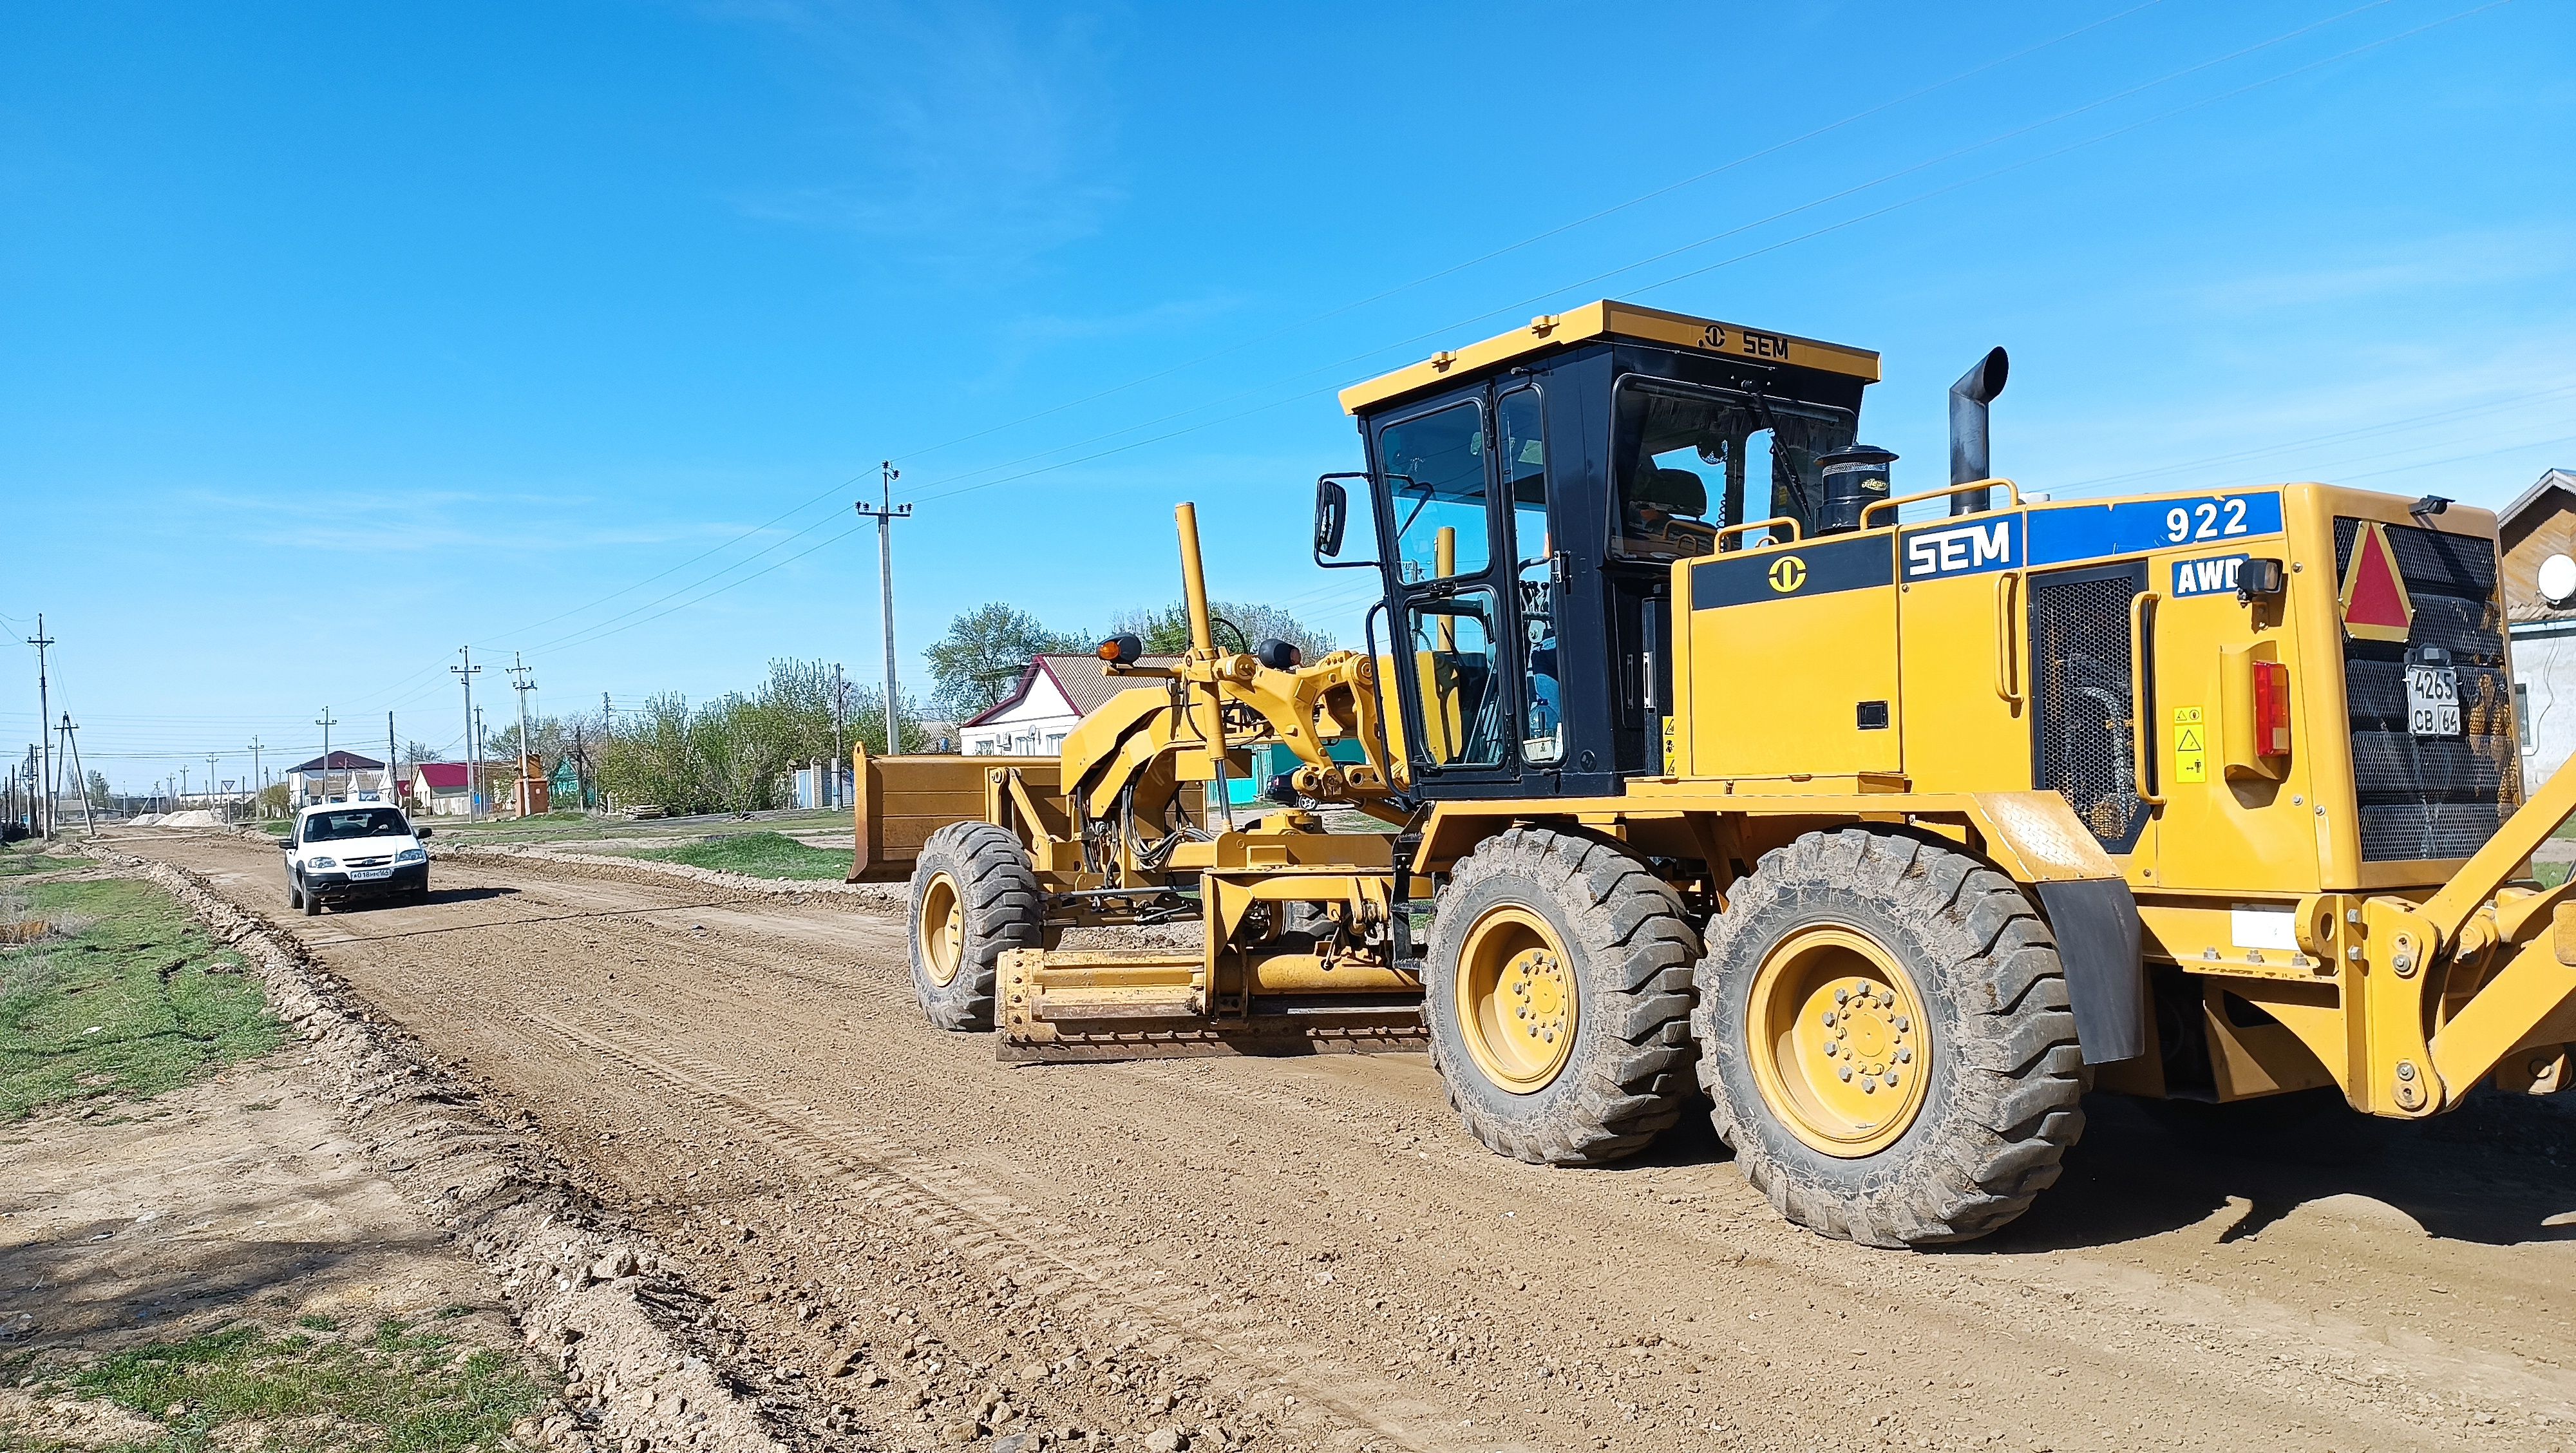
[(344, 850)]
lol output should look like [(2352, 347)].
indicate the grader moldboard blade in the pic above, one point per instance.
[(1065, 1006)]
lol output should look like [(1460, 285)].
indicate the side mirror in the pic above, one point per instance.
[(420, 832), (286, 845), (1332, 517)]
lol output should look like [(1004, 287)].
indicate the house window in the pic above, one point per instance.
[(2522, 716)]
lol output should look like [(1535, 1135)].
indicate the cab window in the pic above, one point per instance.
[(1434, 468), (1686, 456)]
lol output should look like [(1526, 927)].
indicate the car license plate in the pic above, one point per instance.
[(2433, 701), (370, 875)]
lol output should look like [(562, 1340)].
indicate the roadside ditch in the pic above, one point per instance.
[(640, 1352)]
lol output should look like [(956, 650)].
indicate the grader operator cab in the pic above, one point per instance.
[(1705, 763)]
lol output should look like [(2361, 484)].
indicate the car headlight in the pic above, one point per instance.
[(322, 862), (412, 855)]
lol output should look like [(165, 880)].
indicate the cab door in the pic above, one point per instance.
[(1447, 595)]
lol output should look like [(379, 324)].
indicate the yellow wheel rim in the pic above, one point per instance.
[(1517, 1005), (943, 929), (1839, 1045)]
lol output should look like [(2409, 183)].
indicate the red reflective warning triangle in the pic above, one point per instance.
[(2375, 604)]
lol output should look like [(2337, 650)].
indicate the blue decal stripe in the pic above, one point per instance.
[(2062, 533)]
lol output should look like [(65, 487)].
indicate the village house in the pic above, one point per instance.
[(439, 789), (337, 777), (2540, 523), (1054, 695)]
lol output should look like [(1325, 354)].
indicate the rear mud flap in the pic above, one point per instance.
[(2096, 923)]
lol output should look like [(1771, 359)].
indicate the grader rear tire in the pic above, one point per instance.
[(1559, 993), (974, 895), (1883, 1028)]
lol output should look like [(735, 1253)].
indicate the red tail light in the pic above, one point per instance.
[(2271, 708)]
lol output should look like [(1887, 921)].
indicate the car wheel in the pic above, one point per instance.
[(312, 902), (294, 892)]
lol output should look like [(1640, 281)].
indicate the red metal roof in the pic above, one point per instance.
[(442, 776)]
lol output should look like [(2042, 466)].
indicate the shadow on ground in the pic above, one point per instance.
[(2497, 1170)]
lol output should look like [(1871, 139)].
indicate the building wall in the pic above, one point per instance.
[(2544, 674), (351, 784), (1033, 726)]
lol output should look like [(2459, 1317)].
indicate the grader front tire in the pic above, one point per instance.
[(974, 895), (1884, 1032), (1558, 993)]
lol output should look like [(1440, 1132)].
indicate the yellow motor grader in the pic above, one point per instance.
[(1701, 760)]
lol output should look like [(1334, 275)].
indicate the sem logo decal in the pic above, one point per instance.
[(1962, 549), (2214, 576), (1788, 573)]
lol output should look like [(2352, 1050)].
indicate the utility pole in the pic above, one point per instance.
[(478, 738), (392, 793), (71, 749), (211, 799), (325, 722), (256, 783), (181, 800), (885, 514), (522, 681), (71, 744), (473, 762), (44, 711), (840, 696)]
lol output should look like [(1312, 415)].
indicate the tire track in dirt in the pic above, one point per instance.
[(2181, 1289), (1011, 1236)]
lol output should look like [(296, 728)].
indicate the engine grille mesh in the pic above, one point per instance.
[(2084, 720), (2432, 797)]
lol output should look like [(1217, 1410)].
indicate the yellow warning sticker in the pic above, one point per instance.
[(2191, 745)]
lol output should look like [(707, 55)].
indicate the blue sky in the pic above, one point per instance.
[(334, 338)]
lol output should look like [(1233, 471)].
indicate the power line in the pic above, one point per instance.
[(1380, 296), (611, 626)]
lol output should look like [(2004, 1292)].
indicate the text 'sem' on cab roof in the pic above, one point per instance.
[(1607, 319)]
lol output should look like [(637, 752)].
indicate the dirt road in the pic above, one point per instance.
[(1310, 1253)]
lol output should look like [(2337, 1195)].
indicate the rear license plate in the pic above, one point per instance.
[(2433, 701), (370, 875)]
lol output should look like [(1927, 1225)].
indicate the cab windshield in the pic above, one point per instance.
[(357, 822), (1685, 455)]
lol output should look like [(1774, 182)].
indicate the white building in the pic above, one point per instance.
[(1053, 697), (339, 777), (2540, 522)]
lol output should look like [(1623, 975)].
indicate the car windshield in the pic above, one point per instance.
[(325, 827)]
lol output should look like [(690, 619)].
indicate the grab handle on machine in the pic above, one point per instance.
[(2007, 657), (2142, 735)]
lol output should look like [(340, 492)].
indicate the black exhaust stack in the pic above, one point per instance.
[(1968, 458)]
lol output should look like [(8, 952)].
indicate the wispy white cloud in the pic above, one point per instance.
[(976, 138), (2452, 263), (1033, 335), (414, 521)]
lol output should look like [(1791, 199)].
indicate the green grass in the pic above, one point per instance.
[(387, 1387), (759, 854), (18, 861), (129, 997), (585, 827)]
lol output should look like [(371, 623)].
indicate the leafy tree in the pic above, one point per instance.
[(981, 657), (732, 754), (100, 794), (1239, 625)]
